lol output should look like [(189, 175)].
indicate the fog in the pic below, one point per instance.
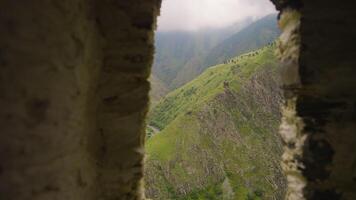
[(199, 14)]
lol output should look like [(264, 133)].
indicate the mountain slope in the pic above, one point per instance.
[(254, 36), (179, 52), (218, 138), (158, 90)]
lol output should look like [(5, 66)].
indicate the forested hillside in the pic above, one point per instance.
[(218, 137)]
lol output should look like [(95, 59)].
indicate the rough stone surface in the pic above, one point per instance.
[(291, 125), (319, 120), (48, 63), (327, 100), (73, 97), (123, 89), (288, 4)]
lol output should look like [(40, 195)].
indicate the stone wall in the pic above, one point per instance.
[(73, 97), (127, 29), (49, 59), (319, 121)]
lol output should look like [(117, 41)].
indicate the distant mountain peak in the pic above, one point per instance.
[(181, 55)]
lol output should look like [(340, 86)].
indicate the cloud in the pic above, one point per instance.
[(198, 14)]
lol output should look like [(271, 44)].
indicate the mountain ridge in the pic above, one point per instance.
[(254, 36), (181, 56)]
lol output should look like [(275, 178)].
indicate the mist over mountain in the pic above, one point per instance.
[(178, 51), (254, 36), (183, 55), (198, 14)]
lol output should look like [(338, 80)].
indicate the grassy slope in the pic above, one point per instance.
[(158, 90), (218, 138)]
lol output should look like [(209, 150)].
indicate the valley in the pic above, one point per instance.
[(182, 56)]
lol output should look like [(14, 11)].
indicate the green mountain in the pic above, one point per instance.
[(254, 36), (218, 138), (179, 54), (182, 56)]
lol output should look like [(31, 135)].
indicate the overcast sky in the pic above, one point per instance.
[(197, 14)]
